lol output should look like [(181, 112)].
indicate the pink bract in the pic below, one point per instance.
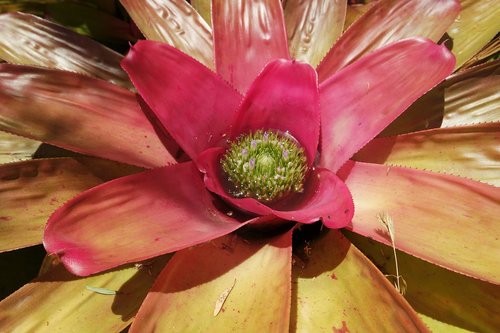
[(177, 206)]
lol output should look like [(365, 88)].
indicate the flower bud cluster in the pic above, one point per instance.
[(265, 165)]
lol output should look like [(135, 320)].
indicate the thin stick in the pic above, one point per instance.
[(387, 222)]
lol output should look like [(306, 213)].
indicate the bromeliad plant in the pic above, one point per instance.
[(244, 155)]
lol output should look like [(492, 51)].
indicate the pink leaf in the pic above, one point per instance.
[(135, 218), (361, 100)]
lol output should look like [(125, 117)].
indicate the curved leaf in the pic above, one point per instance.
[(360, 101), (192, 103), (174, 22), (15, 148), (283, 97), (247, 35), (60, 302), (79, 113), (465, 98), (222, 286), (453, 299), (135, 218), (446, 220), (470, 151), (204, 8), (355, 11), (313, 27), (338, 289), (473, 96), (30, 191), (387, 22), (321, 187), (29, 40), (476, 25)]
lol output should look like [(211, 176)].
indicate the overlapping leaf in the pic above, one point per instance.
[(477, 24), (14, 148), (30, 191), (60, 302), (226, 285), (339, 290), (313, 27), (387, 22), (79, 113), (204, 8), (461, 302), (468, 151), (444, 219), (466, 98), (243, 48), (174, 22), (29, 40)]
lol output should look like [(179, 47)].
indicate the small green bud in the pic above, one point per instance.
[(265, 165)]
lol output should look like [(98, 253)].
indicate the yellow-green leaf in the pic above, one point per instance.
[(444, 219), (31, 190), (476, 25), (60, 302), (468, 151), (449, 298), (30, 40), (340, 290), (15, 148), (313, 27), (174, 22), (465, 98), (189, 289), (203, 7)]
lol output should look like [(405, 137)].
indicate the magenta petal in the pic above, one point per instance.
[(134, 218), (358, 102), (193, 103), (325, 197), (283, 97), (247, 35)]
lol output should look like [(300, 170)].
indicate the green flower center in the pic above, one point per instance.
[(265, 165)]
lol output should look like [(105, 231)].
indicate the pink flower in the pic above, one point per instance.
[(257, 278), (172, 207)]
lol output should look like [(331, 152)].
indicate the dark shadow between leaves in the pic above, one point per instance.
[(201, 264), (426, 113), (312, 258), (129, 297), (436, 292)]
